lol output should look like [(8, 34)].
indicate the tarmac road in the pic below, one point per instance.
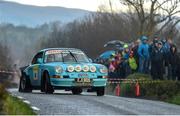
[(63, 102)]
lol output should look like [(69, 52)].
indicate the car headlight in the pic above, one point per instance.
[(92, 68), (58, 69), (103, 69), (70, 68), (78, 68), (85, 68)]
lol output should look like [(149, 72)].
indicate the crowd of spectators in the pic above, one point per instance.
[(158, 57)]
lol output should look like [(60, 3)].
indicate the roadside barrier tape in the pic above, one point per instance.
[(117, 79), (20, 97), (27, 102), (132, 82), (8, 72)]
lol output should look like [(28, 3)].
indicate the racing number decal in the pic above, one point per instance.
[(35, 72)]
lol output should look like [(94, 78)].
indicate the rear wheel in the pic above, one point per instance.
[(76, 91), (100, 91), (47, 85), (25, 84)]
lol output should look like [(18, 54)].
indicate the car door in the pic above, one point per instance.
[(35, 70)]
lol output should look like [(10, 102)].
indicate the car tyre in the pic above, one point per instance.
[(100, 91), (76, 91), (25, 84), (47, 85)]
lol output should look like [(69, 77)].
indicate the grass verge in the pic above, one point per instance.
[(15, 106), (174, 100)]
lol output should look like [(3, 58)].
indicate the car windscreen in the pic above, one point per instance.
[(66, 56)]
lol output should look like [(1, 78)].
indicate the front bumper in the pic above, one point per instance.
[(70, 82)]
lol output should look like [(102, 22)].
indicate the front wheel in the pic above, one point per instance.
[(100, 91), (25, 84), (47, 85)]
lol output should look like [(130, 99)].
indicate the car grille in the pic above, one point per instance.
[(65, 76), (99, 76)]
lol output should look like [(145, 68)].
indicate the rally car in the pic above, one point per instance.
[(63, 68)]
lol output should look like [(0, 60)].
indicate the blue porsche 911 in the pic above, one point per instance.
[(63, 68)]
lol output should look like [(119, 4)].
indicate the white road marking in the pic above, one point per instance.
[(20, 97), (35, 108), (12, 89), (27, 102)]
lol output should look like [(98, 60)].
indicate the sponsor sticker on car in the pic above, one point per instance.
[(53, 52)]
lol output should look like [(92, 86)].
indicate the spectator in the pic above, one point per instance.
[(120, 68), (132, 62), (143, 52), (126, 52), (166, 49), (161, 53), (125, 60), (173, 59), (111, 58), (112, 69), (135, 51), (119, 55), (169, 43), (157, 59), (178, 67), (153, 45)]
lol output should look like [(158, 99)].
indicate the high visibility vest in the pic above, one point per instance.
[(132, 63)]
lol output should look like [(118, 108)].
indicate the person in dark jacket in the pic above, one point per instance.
[(178, 67), (174, 60), (157, 60), (153, 45), (125, 55), (166, 49)]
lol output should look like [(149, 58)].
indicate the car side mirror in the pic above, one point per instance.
[(39, 61)]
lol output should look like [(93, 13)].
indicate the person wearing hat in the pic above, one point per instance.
[(143, 52), (153, 45), (125, 59), (125, 51), (157, 61)]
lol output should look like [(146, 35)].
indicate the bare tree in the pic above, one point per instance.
[(154, 15)]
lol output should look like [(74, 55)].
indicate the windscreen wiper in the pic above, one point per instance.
[(73, 56)]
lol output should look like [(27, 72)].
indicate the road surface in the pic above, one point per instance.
[(63, 102)]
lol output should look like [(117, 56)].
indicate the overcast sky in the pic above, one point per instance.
[(91, 5)]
